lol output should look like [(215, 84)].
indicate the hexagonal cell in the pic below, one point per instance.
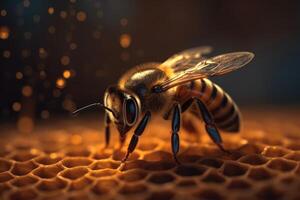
[(234, 169), (75, 162), (5, 176), (189, 170), (274, 151), (48, 159), (161, 178), (293, 156), (133, 189), (239, 184), (102, 173), (158, 156), (147, 146), (270, 192), (101, 164), (24, 181), (253, 159), (211, 162), (23, 156), (103, 186), (159, 165), (4, 187), (26, 194), (51, 185), (78, 152), (118, 155), (251, 148), (186, 183), (287, 180), (213, 177), (137, 164), (293, 146), (161, 195), (49, 171), (133, 175), (5, 165), (260, 174), (74, 173), (80, 184), (208, 194), (101, 155), (20, 169), (282, 165)]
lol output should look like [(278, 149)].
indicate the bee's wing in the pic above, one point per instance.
[(192, 68), (184, 59)]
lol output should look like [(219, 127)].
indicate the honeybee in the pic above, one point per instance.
[(167, 90)]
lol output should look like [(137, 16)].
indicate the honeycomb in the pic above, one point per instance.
[(66, 159)]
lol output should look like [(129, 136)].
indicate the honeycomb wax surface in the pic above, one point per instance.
[(67, 160)]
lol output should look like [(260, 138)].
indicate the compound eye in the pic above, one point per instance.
[(130, 111)]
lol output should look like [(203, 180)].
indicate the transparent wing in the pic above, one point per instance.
[(202, 68), (186, 58)]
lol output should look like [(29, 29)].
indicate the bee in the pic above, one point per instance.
[(168, 90)]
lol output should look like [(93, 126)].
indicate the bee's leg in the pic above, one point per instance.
[(210, 125), (137, 132), (175, 141), (107, 129), (122, 139)]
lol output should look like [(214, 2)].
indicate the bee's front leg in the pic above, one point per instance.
[(107, 123), (175, 141), (137, 132)]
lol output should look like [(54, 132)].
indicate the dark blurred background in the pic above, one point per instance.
[(56, 55)]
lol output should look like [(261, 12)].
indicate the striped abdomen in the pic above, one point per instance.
[(223, 109)]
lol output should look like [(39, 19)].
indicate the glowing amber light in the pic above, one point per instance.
[(65, 60), (27, 91), (125, 40), (81, 16), (76, 139), (4, 32), (67, 74), (16, 106), (50, 10), (25, 124), (60, 83)]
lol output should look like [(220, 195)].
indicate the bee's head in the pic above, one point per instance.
[(125, 108)]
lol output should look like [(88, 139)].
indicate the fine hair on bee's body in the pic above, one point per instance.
[(169, 89)]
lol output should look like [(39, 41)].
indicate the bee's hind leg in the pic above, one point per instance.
[(137, 132), (175, 141), (210, 125), (107, 122)]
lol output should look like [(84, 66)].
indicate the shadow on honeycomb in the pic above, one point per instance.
[(66, 160)]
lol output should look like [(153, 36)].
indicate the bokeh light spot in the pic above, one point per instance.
[(125, 40), (4, 32), (19, 75), (16, 106), (60, 83), (67, 74), (50, 10), (45, 114), (3, 13), (65, 60), (27, 91), (81, 16)]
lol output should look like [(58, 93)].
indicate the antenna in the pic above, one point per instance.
[(91, 105)]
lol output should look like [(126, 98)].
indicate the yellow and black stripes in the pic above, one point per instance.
[(223, 109)]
